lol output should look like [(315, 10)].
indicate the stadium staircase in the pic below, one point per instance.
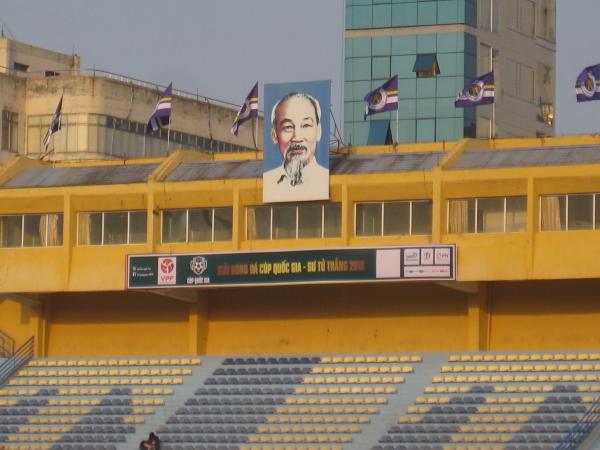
[(524, 401)]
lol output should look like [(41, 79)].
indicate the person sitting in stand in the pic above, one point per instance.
[(152, 443)]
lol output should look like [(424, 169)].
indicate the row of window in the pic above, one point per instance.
[(303, 221), (307, 221), (31, 230), (525, 16), (113, 136), (9, 131)]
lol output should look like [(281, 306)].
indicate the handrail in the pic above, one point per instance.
[(7, 345), (582, 428), (151, 85), (17, 360)]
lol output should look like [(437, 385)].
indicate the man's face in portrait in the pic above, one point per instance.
[(296, 130)]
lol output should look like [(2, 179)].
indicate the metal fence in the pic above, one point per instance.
[(580, 431), (17, 360), (7, 345)]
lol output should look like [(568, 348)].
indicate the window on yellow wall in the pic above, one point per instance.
[(293, 221), (196, 225), (111, 228), (309, 222), (516, 217), (487, 215), (332, 220), (31, 230), (569, 212), (580, 212), (369, 219), (200, 224), (174, 225), (284, 222), (490, 215), (399, 218), (10, 131), (420, 217)]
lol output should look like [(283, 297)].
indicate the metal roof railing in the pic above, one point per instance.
[(150, 85)]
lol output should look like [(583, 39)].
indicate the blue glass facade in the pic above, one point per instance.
[(426, 105)]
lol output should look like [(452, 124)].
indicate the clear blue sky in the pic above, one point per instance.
[(221, 47)]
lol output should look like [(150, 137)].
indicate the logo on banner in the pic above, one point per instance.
[(442, 256), (167, 270), (426, 256), (588, 87), (475, 92), (411, 256), (198, 264)]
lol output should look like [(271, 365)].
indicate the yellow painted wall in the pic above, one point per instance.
[(547, 315), (556, 312), (19, 320), (113, 324), (330, 319), (490, 256)]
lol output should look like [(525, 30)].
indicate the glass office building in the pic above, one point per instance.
[(435, 47)]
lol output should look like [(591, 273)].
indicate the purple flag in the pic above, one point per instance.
[(160, 118), (586, 85), (480, 91), (247, 111), (384, 98), (55, 124)]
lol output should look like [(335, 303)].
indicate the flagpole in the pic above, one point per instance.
[(397, 137), (493, 126), (169, 135), (255, 132)]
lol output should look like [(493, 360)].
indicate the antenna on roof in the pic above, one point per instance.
[(336, 134), (5, 26)]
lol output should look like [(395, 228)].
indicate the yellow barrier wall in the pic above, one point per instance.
[(20, 320), (547, 315), (337, 319), (113, 324)]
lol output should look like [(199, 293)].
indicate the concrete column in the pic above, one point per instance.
[(478, 328), (532, 224), (198, 324), (238, 220), (153, 221), (347, 215), (437, 218), (41, 344), (69, 238)]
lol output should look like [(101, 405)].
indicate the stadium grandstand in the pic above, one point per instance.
[(163, 295)]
